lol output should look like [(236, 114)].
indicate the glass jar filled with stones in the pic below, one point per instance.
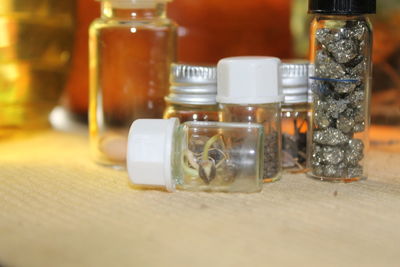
[(294, 118), (341, 40), (192, 93)]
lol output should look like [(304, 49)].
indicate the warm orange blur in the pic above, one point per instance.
[(214, 29)]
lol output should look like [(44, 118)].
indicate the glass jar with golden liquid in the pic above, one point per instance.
[(131, 48), (35, 47)]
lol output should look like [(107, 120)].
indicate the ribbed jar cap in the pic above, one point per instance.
[(150, 152), (294, 75), (192, 84)]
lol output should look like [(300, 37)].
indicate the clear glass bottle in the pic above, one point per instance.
[(341, 40), (192, 93), (196, 156), (295, 108), (249, 91), (131, 48)]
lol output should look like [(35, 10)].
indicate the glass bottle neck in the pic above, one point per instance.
[(133, 11)]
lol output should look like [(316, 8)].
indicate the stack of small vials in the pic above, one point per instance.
[(234, 127)]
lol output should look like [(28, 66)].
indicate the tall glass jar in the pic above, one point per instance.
[(192, 93), (196, 156), (341, 41), (295, 109), (131, 48), (249, 91)]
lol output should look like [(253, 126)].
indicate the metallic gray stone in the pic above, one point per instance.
[(324, 36), (322, 120), (345, 87), (357, 99), (359, 127), (330, 171), (345, 124), (343, 50), (354, 152), (354, 171), (330, 136), (326, 67), (335, 107), (357, 71), (332, 154), (360, 30)]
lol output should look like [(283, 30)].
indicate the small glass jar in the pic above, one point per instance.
[(249, 91), (131, 48), (196, 156), (341, 40), (295, 109), (192, 93)]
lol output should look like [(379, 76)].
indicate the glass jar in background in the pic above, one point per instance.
[(196, 156), (341, 44), (131, 48), (192, 93), (294, 118), (249, 91), (35, 48)]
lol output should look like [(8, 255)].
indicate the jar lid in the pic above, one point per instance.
[(342, 7), (149, 152), (249, 80), (294, 75), (192, 84)]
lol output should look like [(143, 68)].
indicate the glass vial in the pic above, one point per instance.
[(192, 93), (295, 108), (196, 156), (341, 40), (249, 91), (131, 48)]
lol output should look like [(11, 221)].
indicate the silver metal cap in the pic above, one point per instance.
[(295, 81), (193, 85)]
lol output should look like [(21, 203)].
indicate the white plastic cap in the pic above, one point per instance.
[(249, 80), (149, 152)]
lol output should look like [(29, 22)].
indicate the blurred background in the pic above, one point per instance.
[(44, 50)]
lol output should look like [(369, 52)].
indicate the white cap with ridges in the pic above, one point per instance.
[(249, 80), (149, 155)]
